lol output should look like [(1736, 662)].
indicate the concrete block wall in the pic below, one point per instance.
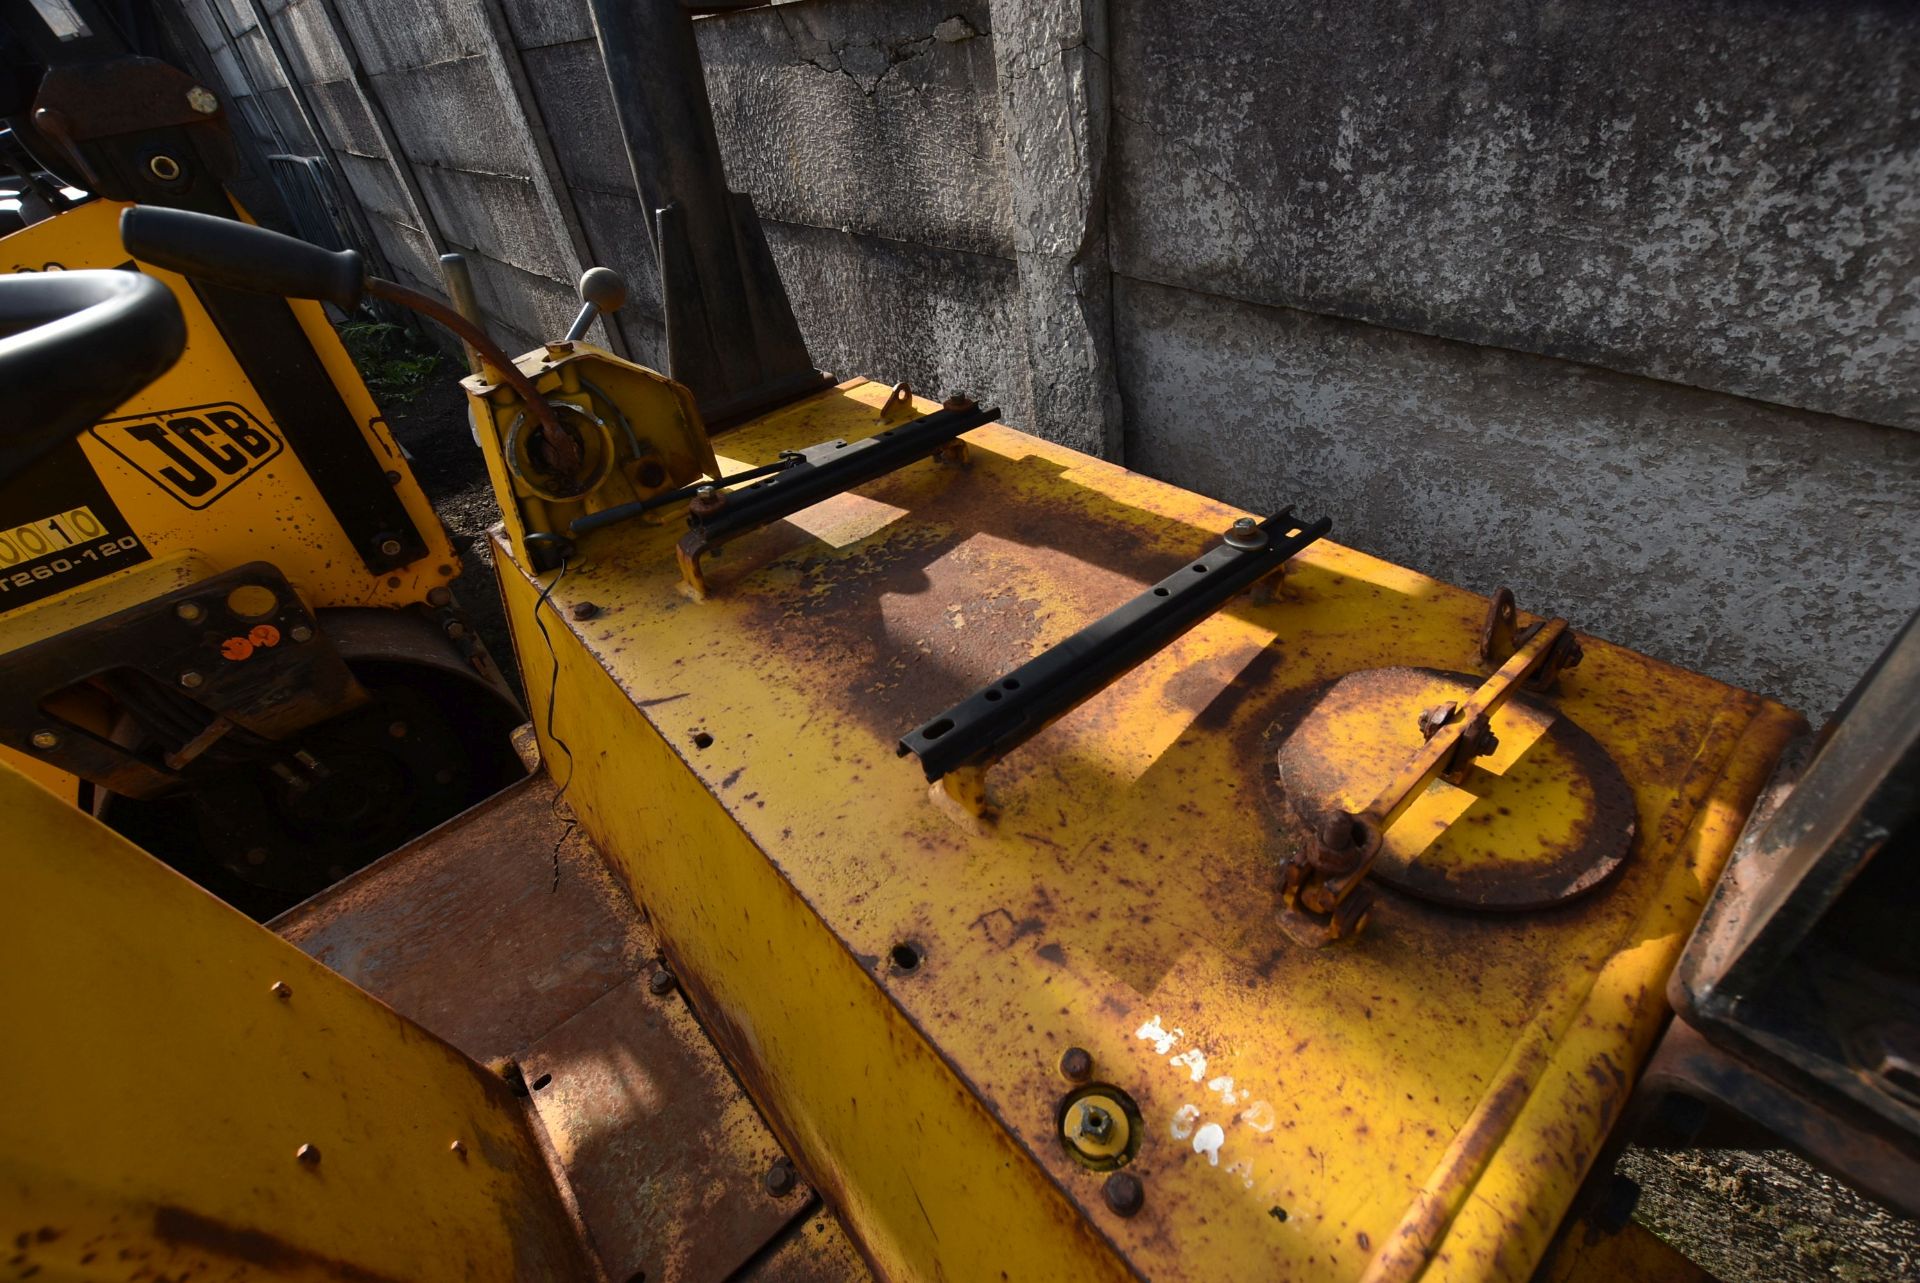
[(1617, 305)]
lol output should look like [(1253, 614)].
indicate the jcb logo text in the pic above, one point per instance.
[(196, 454)]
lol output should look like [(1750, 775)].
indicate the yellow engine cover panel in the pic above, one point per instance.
[(898, 985), (196, 1098), (238, 495)]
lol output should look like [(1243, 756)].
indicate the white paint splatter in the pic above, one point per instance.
[(1195, 1060), (1208, 1141), (1244, 1170), (1259, 1116), (1183, 1120), (1228, 1096), (1161, 1039)]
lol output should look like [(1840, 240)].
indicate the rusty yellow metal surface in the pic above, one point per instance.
[(1420, 1102), (163, 1089), (271, 514)]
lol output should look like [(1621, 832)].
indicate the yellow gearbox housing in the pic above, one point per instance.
[(638, 432)]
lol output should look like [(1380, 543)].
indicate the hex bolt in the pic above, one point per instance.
[(202, 100), (458, 1149), (1246, 534), (308, 1154), (1096, 1124), (440, 597), (584, 610), (390, 547), (781, 1178), (1076, 1064), (455, 629), (300, 633), (1125, 1193), (190, 611), (393, 478), (190, 680), (45, 739), (660, 983), (281, 990)]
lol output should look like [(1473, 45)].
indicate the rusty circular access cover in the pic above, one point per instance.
[(1544, 818)]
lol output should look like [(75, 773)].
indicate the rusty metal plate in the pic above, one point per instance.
[(509, 891), (815, 1250), (668, 1159), (505, 932), (1543, 819)]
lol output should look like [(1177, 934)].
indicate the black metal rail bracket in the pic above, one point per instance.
[(957, 747), (820, 472)]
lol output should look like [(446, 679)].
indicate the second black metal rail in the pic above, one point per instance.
[(999, 717)]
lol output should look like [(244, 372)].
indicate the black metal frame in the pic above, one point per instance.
[(825, 470), (999, 717)]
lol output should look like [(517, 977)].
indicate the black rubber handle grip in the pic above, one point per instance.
[(73, 346), (225, 251)]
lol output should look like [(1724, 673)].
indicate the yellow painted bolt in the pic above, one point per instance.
[(282, 990), (189, 611)]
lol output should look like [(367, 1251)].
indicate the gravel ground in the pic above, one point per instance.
[(1746, 1217)]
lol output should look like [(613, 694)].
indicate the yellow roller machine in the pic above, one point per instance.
[(227, 624)]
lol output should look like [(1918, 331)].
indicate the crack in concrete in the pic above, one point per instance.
[(896, 52)]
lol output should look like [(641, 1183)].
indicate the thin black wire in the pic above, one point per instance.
[(553, 689)]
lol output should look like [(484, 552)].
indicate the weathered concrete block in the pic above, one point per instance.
[(343, 118), (1770, 547), (942, 320), (394, 35), (499, 215), (570, 83), (371, 181), (617, 238), (451, 114), (872, 117), (535, 23), (1723, 194), (523, 310), (1051, 68), (312, 50), (407, 250)]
